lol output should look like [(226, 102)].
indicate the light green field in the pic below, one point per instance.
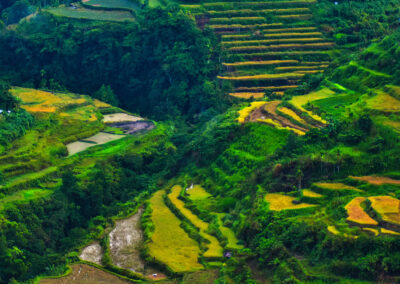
[(213, 248), (228, 233), (169, 243), (89, 14), (23, 196), (124, 4), (197, 193)]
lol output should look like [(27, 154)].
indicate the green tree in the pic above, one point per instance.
[(107, 95)]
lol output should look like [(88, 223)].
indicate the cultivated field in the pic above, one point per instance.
[(357, 214), (279, 202)]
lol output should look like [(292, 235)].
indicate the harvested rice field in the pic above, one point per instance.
[(170, 244), (120, 117), (310, 193), (377, 180), (279, 202), (356, 213), (85, 274), (387, 207), (92, 253), (335, 186)]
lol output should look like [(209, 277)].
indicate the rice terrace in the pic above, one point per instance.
[(188, 141)]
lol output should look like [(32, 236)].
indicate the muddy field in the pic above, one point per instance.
[(85, 274), (125, 241), (120, 117), (133, 127), (98, 139), (92, 253)]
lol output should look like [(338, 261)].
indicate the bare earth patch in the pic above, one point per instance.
[(85, 274), (98, 139), (125, 240), (131, 127), (120, 117), (92, 253)]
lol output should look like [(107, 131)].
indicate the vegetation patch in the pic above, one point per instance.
[(245, 112), (356, 213), (279, 202), (170, 244), (387, 207), (335, 186), (310, 193), (377, 180)]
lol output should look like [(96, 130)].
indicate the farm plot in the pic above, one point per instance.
[(387, 207), (92, 253), (91, 14), (170, 244), (377, 180), (255, 34), (356, 213), (334, 187), (116, 4), (214, 249), (279, 202), (97, 139)]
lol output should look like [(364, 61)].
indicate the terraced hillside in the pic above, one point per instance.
[(270, 45)]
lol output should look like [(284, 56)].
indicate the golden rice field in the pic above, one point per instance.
[(332, 229), (384, 102), (279, 202), (356, 213), (292, 34), (287, 68), (289, 30), (389, 232), (372, 230), (248, 95), (228, 233), (387, 207), (169, 243), (276, 40), (336, 186), (281, 46), (197, 193), (310, 193), (255, 63), (278, 125), (245, 112), (263, 77), (239, 26), (263, 89), (300, 101), (66, 105), (292, 114), (377, 180), (214, 249), (297, 17), (258, 11)]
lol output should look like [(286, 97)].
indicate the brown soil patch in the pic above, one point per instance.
[(377, 180), (85, 274)]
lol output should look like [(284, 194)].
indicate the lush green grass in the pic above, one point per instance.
[(89, 14), (124, 4), (169, 243), (213, 248), (228, 233), (23, 196)]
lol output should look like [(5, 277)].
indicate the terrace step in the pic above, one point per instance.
[(271, 41), (298, 46), (251, 12)]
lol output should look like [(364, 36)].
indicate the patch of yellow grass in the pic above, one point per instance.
[(276, 40), (254, 63), (197, 193), (336, 186), (279, 202), (384, 102), (100, 104), (372, 230), (292, 114), (293, 34), (263, 77), (299, 17), (278, 125), (376, 180), (289, 30), (310, 193), (332, 229), (387, 207), (247, 95), (357, 214), (300, 101), (169, 243), (389, 232), (228, 233), (260, 89), (245, 112), (214, 249)]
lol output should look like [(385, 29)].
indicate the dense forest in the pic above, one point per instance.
[(251, 142)]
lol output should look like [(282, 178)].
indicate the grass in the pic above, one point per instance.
[(279, 202), (228, 233), (332, 229), (124, 4), (169, 243), (387, 207), (262, 77), (28, 177), (292, 114), (24, 196), (336, 186), (377, 180), (383, 102), (356, 213), (213, 248), (90, 14), (247, 95), (197, 193), (300, 101), (245, 112), (310, 193)]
